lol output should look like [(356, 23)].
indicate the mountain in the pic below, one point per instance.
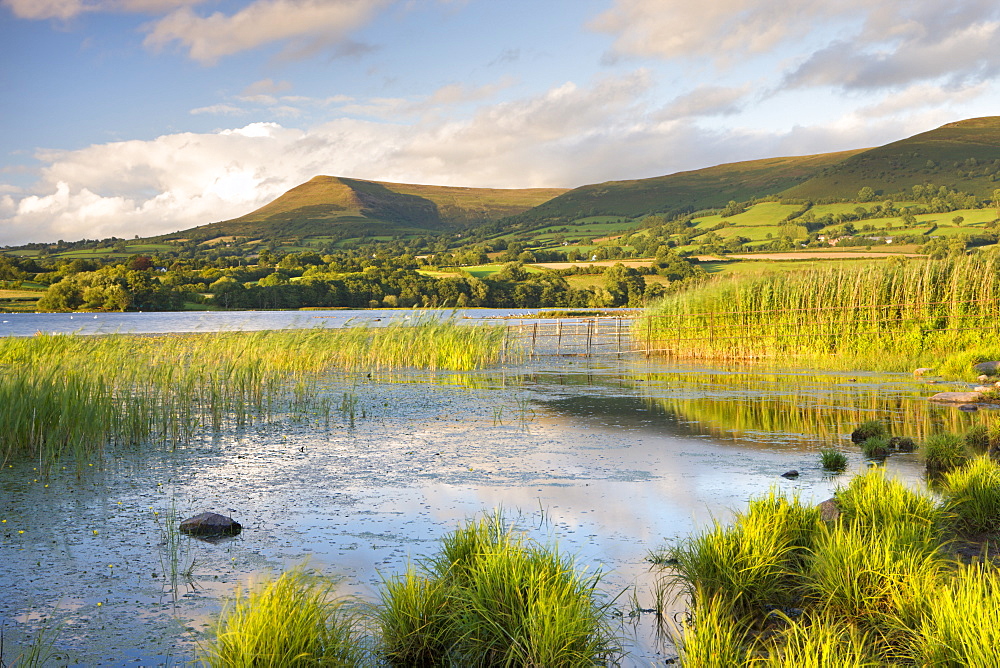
[(329, 205), (963, 156), (706, 188)]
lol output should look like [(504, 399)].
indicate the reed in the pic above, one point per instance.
[(821, 642), (873, 499), (76, 395), (888, 315), (291, 621), (711, 638)]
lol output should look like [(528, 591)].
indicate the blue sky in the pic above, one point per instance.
[(125, 117)]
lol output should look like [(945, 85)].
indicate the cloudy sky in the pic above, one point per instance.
[(125, 117)]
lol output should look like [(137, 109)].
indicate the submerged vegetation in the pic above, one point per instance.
[(879, 585), (63, 395), (890, 315)]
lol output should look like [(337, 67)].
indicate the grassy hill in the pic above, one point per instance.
[(689, 191), (328, 205), (963, 156)]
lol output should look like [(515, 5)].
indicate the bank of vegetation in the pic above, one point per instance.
[(74, 395), (882, 584), (890, 315)]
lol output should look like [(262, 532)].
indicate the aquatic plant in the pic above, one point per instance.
[(972, 496), (67, 394), (713, 636), (888, 316), (944, 452), (492, 597), (820, 641), (748, 563), (869, 429), (291, 621), (832, 460), (875, 447), (873, 499)]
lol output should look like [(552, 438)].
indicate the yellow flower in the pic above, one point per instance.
[(95, 532)]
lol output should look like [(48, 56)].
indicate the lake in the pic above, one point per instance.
[(609, 457)]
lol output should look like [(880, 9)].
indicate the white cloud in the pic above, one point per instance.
[(707, 101), (67, 9), (306, 23), (218, 110), (919, 96), (566, 136), (267, 87), (848, 43)]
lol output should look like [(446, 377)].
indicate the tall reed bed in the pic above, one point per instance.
[(62, 394), (878, 586), (886, 315)]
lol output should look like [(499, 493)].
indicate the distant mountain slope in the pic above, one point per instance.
[(698, 189), (331, 205), (964, 156)]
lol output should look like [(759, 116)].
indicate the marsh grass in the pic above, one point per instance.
[(869, 429), (177, 563), (876, 587), (293, 620), (493, 597), (74, 395), (875, 447), (832, 460), (888, 316), (943, 452), (972, 496), (40, 650), (749, 564)]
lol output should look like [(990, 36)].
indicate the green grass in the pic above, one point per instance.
[(972, 496), (292, 621), (893, 315), (944, 452), (877, 587), (66, 394), (832, 460), (492, 597)]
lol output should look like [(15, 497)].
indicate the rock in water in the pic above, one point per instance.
[(211, 524), (790, 474), (957, 397)]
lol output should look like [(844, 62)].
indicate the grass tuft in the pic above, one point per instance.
[(832, 460), (944, 452), (291, 621)]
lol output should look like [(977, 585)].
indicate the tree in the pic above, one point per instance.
[(866, 194)]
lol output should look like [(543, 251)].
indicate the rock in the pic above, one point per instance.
[(987, 368), (956, 397), (969, 408), (790, 474), (922, 370), (983, 378), (902, 444), (211, 524), (983, 388), (828, 510)]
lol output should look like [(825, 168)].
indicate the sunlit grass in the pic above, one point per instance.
[(882, 315), (67, 394), (291, 621)]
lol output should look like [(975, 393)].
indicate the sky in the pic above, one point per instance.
[(141, 117)]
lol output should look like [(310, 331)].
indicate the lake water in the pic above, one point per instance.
[(611, 458)]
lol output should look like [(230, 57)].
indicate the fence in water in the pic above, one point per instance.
[(583, 337)]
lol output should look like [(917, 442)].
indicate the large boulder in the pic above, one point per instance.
[(211, 524), (957, 397), (987, 368), (829, 511)]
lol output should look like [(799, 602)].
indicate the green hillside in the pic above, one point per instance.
[(963, 156), (688, 191), (328, 205)]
